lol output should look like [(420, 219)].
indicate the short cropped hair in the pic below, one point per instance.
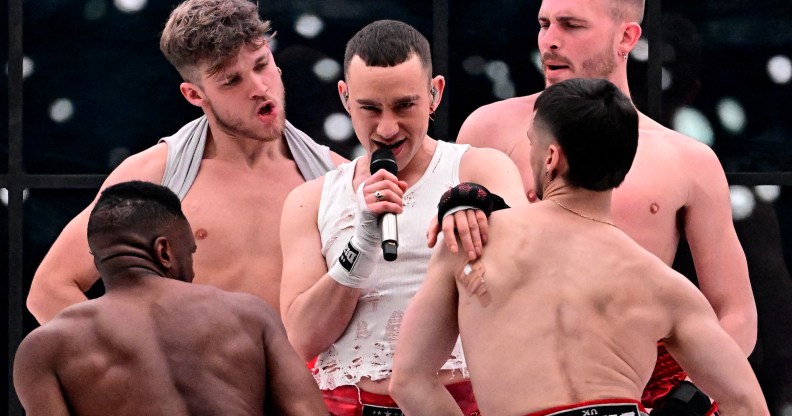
[(387, 43), (210, 31), (627, 10), (135, 205), (595, 125)]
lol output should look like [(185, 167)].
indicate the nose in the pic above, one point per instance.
[(549, 39), (388, 126), (259, 86)]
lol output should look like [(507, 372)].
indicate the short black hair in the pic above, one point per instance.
[(386, 43), (596, 125), (135, 205)]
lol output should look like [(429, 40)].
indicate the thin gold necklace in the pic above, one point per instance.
[(581, 215)]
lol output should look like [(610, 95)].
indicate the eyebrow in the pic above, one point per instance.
[(400, 100), (563, 19)]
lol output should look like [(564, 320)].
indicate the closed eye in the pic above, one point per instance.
[(231, 81), (405, 106)]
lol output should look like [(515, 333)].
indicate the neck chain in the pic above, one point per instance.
[(581, 215)]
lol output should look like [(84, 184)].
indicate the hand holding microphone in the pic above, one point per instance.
[(389, 233), (372, 229)]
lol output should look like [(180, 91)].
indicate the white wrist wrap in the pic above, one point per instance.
[(353, 267)]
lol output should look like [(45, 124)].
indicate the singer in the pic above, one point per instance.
[(340, 298)]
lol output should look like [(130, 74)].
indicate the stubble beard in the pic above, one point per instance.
[(235, 126), (600, 66)]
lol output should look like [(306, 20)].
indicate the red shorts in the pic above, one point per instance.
[(595, 407), (666, 376), (344, 400)]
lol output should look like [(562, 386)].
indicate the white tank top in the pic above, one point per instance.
[(366, 347)]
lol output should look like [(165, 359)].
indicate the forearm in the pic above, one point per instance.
[(741, 325), (423, 395), (317, 317), (48, 297)]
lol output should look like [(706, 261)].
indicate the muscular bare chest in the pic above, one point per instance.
[(235, 217), (649, 204)]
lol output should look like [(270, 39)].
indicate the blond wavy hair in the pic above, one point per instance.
[(212, 32)]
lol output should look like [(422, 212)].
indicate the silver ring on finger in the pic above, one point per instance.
[(378, 196)]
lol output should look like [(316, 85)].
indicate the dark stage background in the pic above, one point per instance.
[(87, 86)]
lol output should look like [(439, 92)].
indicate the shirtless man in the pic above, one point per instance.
[(676, 185), (349, 315), (249, 156), (155, 344), (573, 307)]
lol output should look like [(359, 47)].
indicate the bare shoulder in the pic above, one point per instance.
[(479, 163), (492, 114), (52, 336), (484, 155), (305, 195), (39, 343), (489, 125), (148, 165), (496, 171), (696, 155)]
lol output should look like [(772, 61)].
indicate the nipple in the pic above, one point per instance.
[(532, 197), (200, 234), (654, 208)]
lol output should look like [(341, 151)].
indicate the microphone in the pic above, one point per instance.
[(383, 159)]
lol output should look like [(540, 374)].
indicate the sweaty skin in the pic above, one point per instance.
[(676, 185), (236, 222), (163, 347)]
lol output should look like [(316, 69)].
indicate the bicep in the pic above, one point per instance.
[(719, 259), (706, 352), (35, 381), (495, 171), (429, 329), (69, 261), (303, 262)]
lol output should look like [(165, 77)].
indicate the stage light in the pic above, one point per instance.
[(338, 127), (732, 115), (327, 69), (309, 25), (130, 6), (666, 79), (504, 89), (536, 58), (641, 50), (742, 202), (768, 193), (474, 65), (4, 195), (692, 122), (61, 110), (497, 70), (780, 69)]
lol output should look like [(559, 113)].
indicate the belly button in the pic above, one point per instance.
[(654, 208), (200, 234)]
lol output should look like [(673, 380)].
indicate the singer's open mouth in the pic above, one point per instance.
[(389, 146)]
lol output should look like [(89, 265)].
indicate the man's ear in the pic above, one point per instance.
[(555, 160), (438, 86), (192, 93), (163, 252), (343, 94), (631, 33)]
